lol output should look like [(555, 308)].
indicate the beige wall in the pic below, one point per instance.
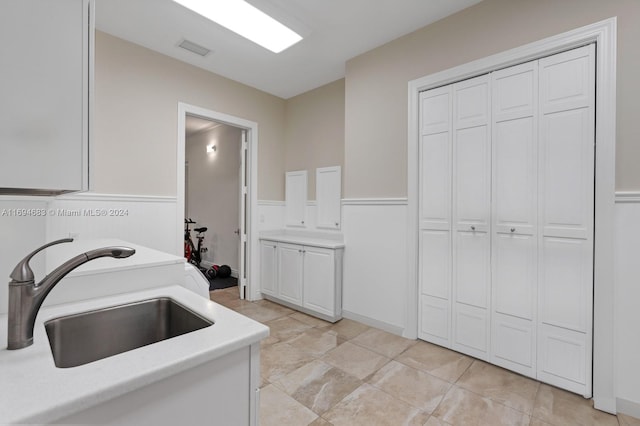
[(376, 82), (314, 131), (136, 114)]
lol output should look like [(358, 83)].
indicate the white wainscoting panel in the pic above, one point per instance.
[(145, 220), (22, 230), (375, 262), (627, 301), (270, 215)]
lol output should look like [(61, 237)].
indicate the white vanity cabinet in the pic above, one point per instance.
[(46, 67), (303, 276)]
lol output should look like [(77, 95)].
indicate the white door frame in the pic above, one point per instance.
[(252, 185), (603, 33)]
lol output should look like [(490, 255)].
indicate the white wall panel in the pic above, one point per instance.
[(627, 299), (375, 262), (147, 221)]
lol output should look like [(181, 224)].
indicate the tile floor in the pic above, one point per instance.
[(321, 374)]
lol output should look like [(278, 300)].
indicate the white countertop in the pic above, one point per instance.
[(34, 390), (315, 239), (144, 257)]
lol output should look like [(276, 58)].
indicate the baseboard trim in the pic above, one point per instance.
[(627, 407), (373, 322)]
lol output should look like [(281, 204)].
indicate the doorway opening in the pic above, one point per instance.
[(216, 182)]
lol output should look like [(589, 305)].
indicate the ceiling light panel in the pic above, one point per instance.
[(247, 21)]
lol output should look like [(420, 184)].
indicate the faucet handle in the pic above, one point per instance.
[(22, 272)]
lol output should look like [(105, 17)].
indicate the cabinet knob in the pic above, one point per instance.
[(302, 222), (513, 229), (473, 228), (337, 224)]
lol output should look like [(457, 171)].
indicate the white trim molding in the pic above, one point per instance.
[(93, 196), (627, 197), (251, 208), (603, 34), (274, 203), (374, 201)]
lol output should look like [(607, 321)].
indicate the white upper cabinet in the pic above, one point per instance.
[(328, 195), (46, 64), (295, 198)]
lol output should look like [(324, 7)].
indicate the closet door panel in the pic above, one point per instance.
[(435, 263), (514, 278), (435, 316), (471, 331), (566, 173), (566, 212), (514, 176), (567, 80), (513, 344), (471, 103), (515, 92), (435, 114), (435, 173), (472, 175), (565, 282), (561, 359), (472, 272)]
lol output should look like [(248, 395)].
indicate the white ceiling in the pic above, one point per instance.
[(334, 31)]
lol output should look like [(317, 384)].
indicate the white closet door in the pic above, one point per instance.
[(471, 211), (435, 216), (514, 202), (566, 182)]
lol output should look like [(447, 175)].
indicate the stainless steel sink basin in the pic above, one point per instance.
[(89, 336)]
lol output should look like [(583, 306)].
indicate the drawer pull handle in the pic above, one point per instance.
[(513, 229), (473, 228)]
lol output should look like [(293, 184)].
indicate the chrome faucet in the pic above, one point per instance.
[(26, 297)]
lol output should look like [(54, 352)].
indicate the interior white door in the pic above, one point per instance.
[(242, 228), (471, 216), (435, 216), (514, 204), (290, 272), (566, 184)]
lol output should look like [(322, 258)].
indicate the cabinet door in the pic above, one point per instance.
[(471, 216), (44, 94), (514, 202), (290, 272), (268, 267), (295, 198), (328, 190), (319, 293)]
